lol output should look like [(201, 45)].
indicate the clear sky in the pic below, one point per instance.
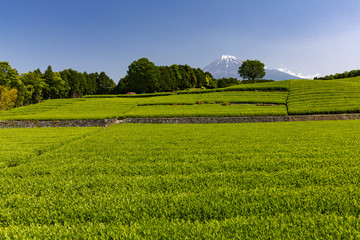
[(306, 37)]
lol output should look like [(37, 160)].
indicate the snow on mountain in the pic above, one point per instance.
[(227, 66)]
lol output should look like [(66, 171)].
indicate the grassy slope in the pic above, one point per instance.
[(295, 180), (324, 96)]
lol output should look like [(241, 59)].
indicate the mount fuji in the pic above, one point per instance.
[(227, 66)]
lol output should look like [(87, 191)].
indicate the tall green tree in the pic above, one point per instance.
[(35, 84), (167, 80), (90, 79), (75, 81), (252, 70), (104, 84), (122, 86), (201, 78), (56, 87), (184, 83), (143, 76), (8, 75), (176, 72)]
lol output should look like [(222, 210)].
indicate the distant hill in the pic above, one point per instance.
[(227, 66)]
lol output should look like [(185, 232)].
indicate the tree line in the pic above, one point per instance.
[(142, 76), (352, 73), (28, 88)]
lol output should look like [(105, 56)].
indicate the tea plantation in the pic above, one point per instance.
[(275, 98), (289, 180), (296, 180), (333, 96)]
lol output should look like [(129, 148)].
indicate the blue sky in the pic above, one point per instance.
[(305, 37)]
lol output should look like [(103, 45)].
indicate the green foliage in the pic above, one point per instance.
[(63, 109), (316, 96), (205, 110), (7, 98), (18, 145), (252, 69), (139, 106), (91, 84), (8, 75), (143, 76), (296, 180), (104, 84), (245, 97), (227, 82), (35, 85), (256, 81), (219, 97), (266, 86), (210, 81), (298, 96), (56, 85), (76, 82), (352, 73)]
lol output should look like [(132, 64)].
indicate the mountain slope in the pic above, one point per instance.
[(224, 67), (277, 75), (227, 66)]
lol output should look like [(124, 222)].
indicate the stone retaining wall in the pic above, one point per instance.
[(185, 120), (58, 123), (180, 120)]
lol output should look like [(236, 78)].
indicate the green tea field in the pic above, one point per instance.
[(179, 120), (292, 97), (297, 180), (332, 96)]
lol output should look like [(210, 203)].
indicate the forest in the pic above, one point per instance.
[(32, 87)]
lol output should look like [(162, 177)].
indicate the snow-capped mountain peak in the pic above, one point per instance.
[(227, 66), (228, 59)]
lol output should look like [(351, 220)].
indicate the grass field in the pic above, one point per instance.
[(296, 180)]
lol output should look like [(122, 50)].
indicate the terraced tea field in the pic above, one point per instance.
[(18, 145), (65, 109), (292, 97), (207, 110), (200, 104), (297, 180), (324, 96)]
